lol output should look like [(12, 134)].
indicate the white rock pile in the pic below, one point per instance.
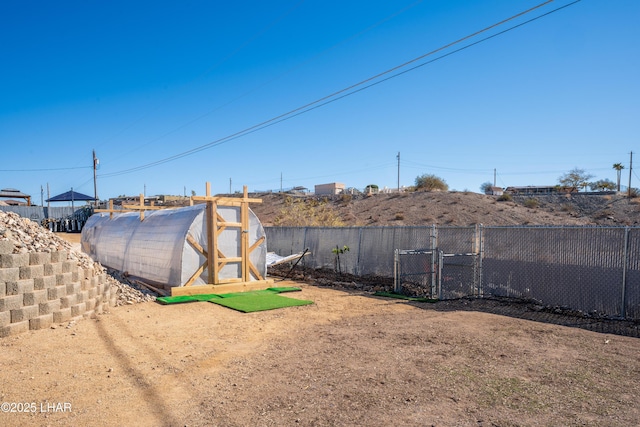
[(28, 236)]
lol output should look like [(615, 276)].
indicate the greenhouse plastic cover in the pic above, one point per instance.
[(157, 250)]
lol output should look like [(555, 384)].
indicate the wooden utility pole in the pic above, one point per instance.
[(95, 181), (630, 169), (398, 171)]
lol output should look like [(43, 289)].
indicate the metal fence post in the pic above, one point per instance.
[(435, 275), (479, 250), (358, 268), (625, 265), (396, 282), (440, 261)]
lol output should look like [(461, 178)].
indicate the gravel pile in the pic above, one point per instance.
[(128, 292), (28, 236)]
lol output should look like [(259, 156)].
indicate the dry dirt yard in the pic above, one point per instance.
[(350, 359)]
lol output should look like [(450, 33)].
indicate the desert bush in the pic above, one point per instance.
[(505, 197), (431, 183), (531, 203), (567, 207), (300, 213), (399, 216)]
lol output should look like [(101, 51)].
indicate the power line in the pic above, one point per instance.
[(207, 113), (44, 169), (354, 88), (254, 37)]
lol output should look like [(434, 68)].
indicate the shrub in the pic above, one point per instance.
[(567, 207), (531, 203), (505, 197), (300, 213), (431, 183)]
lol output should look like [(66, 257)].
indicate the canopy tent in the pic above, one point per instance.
[(70, 196)]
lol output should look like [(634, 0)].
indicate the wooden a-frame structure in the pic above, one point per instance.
[(215, 259)]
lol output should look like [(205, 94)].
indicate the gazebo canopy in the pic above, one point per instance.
[(13, 193), (70, 196)]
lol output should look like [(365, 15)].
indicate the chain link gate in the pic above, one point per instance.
[(435, 274), (416, 272)]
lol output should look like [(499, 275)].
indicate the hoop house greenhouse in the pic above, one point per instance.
[(170, 247)]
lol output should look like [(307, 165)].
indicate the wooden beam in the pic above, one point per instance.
[(141, 207), (256, 244), (146, 208), (197, 274), (196, 245), (212, 242), (225, 201), (255, 271), (153, 288), (222, 288), (225, 260), (244, 236)]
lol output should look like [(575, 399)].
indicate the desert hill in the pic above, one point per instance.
[(452, 209)]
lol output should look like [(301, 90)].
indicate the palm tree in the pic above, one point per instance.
[(618, 167)]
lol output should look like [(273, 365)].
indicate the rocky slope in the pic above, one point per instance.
[(461, 209)]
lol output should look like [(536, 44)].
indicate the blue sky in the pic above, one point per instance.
[(143, 82)]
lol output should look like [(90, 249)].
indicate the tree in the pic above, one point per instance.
[(602, 185), (430, 183), (575, 178), (485, 187), (618, 167), (371, 189)]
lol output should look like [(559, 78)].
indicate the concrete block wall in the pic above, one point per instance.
[(42, 288)]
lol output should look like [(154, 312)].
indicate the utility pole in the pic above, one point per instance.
[(95, 181), (398, 156), (229, 185), (630, 169), (494, 177), (41, 196)]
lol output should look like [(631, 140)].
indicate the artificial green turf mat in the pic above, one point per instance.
[(250, 301), (247, 293), (259, 302), (186, 298), (400, 296)]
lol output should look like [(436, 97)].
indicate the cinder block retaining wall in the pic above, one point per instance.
[(38, 289)]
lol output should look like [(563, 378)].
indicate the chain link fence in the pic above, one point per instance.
[(591, 269)]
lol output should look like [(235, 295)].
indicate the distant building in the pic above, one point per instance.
[(329, 189), (543, 189), (494, 191)]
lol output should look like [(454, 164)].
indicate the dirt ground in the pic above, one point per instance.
[(348, 359)]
